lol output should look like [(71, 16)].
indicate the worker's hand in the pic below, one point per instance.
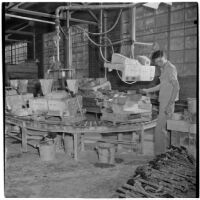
[(168, 110)]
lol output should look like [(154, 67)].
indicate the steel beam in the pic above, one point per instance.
[(93, 15), (30, 19), (30, 12), (11, 6), (95, 7), (14, 40), (40, 14), (19, 32), (133, 29), (83, 21)]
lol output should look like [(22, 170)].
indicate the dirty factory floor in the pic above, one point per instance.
[(27, 176)]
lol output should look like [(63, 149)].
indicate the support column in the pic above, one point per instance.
[(133, 30), (105, 41), (68, 46), (34, 56)]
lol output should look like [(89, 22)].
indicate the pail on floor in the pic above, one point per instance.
[(47, 151), (106, 152), (69, 145)]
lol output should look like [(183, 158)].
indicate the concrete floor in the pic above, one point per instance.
[(27, 176)]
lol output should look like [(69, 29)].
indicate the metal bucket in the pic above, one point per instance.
[(68, 145), (47, 151), (106, 152)]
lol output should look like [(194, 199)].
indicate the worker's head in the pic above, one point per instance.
[(159, 58)]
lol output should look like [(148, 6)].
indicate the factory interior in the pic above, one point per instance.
[(100, 99)]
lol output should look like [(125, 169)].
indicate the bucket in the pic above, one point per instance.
[(192, 105), (68, 145), (46, 85), (106, 152), (47, 151), (22, 86)]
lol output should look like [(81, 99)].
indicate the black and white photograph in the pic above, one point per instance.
[(100, 99)]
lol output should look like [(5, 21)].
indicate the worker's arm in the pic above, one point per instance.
[(153, 89)]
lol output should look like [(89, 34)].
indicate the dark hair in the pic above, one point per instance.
[(157, 54)]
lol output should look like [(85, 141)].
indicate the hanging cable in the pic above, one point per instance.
[(114, 25), (100, 49), (130, 83)]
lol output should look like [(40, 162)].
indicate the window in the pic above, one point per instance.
[(16, 53)]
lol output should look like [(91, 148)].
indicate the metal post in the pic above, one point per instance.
[(122, 37), (69, 46), (101, 30), (133, 34), (34, 56), (105, 41), (101, 25)]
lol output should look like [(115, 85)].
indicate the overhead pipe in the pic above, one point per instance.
[(40, 14), (133, 34), (82, 7), (29, 19), (105, 42)]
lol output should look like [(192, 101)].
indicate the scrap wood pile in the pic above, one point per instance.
[(169, 175)]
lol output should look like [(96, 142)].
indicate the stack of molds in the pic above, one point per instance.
[(57, 103)]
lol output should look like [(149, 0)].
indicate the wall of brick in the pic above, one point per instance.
[(174, 30)]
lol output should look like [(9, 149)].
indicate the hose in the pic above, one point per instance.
[(114, 25)]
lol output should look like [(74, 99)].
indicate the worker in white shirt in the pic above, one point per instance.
[(168, 94)]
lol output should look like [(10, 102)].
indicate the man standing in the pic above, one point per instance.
[(168, 94)]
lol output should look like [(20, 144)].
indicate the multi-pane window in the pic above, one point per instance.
[(16, 53)]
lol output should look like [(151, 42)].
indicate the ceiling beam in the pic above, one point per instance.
[(14, 40), (26, 4), (18, 29), (18, 26), (30, 12), (19, 32), (30, 19), (11, 5), (40, 14), (82, 21), (93, 15)]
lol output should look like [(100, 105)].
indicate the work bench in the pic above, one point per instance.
[(78, 133), (179, 127)]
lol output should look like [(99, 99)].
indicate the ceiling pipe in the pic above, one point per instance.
[(40, 14), (84, 7), (29, 19), (19, 32)]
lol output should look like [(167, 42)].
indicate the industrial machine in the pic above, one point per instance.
[(131, 69)]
